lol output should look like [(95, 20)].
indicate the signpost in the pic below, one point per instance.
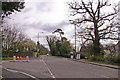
[(78, 56), (71, 55)]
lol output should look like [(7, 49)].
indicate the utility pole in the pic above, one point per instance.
[(75, 24), (38, 37), (38, 43), (38, 46), (75, 41)]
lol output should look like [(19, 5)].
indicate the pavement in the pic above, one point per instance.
[(52, 67), (99, 64)]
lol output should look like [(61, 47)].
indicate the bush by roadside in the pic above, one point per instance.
[(109, 60)]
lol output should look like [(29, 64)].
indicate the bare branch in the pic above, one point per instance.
[(110, 38), (105, 17), (86, 8)]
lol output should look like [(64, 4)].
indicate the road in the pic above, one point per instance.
[(55, 67)]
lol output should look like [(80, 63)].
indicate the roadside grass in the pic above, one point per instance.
[(102, 62), (5, 58), (34, 57), (10, 58)]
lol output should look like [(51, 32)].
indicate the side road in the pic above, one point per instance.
[(99, 64)]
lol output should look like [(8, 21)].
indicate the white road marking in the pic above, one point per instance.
[(3, 61), (10, 70), (28, 75), (48, 69)]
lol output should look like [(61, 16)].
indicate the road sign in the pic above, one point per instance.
[(71, 55), (78, 56)]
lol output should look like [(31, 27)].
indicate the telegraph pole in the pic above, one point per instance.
[(75, 40), (38, 43), (38, 46), (75, 23)]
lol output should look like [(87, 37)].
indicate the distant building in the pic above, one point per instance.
[(117, 47)]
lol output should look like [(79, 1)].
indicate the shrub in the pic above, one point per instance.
[(96, 58), (82, 56), (109, 59), (113, 59)]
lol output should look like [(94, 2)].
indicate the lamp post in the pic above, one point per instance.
[(38, 42), (75, 24)]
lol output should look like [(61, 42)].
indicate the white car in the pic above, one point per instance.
[(47, 54)]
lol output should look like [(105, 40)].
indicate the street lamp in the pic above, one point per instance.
[(75, 23), (38, 43)]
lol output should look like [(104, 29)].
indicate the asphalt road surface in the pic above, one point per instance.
[(55, 67)]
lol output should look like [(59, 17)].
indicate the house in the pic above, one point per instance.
[(117, 48)]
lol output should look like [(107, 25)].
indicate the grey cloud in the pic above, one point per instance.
[(26, 10), (44, 6), (53, 27), (46, 27), (36, 36)]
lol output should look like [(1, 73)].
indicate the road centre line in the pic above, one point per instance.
[(48, 69)]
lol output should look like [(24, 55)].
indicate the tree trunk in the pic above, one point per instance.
[(96, 47), (96, 42)]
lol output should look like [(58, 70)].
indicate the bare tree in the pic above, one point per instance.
[(12, 39), (96, 24)]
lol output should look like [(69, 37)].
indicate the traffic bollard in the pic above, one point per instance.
[(27, 58), (14, 58), (17, 57)]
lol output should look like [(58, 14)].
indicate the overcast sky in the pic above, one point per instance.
[(43, 16)]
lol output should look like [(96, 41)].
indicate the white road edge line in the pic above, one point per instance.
[(48, 69), (10, 70), (28, 75)]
